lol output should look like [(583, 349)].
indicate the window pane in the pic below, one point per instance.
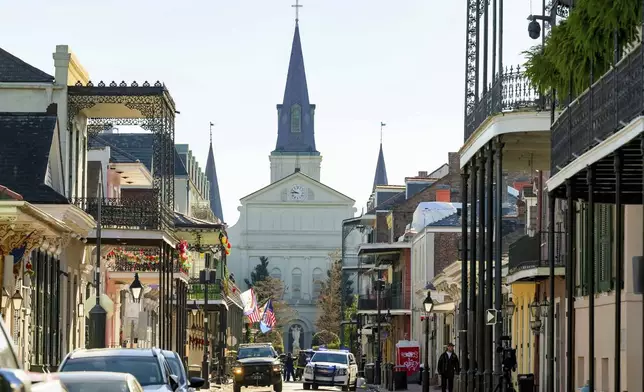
[(296, 283), (296, 118), (145, 369)]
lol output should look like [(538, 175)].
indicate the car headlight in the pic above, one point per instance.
[(238, 370), (308, 370), (277, 368), (342, 372)]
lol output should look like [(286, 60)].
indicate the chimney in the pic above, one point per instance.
[(422, 174), (454, 162), (62, 55), (297, 170), (52, 109)]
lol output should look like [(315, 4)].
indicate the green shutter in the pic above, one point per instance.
[(604, 247), (583, 257)]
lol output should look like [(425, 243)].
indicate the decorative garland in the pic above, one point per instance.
[(139, 260)]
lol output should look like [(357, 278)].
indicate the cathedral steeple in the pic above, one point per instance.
[(380, 178), (211, 175), (295, 130)]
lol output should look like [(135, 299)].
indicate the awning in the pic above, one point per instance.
[(447, 307)]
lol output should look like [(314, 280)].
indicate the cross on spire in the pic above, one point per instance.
[(382, 125), (211, 125), (297, 7)]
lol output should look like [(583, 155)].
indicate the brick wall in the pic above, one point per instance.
[(446, 251), (406, 254), (382, 231)]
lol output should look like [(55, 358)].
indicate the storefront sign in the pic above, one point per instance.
[(409, 357)]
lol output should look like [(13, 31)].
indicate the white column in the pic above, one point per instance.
[(116, 336)]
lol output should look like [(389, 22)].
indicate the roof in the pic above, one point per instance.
[(380, 178), (24, 156), (133, 148), (389, 203), (298, 173), (211, 175), (296, 97), (112, 352), (451, 220), (14, 70), (185, 221), (92, 376), (380, 247)]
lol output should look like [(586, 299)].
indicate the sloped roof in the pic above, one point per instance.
[(380, 178), (24, 156), (14, 70), (299, 173), (211, 175)]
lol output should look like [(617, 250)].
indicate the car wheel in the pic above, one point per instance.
[(345, 388), (278, 387), (306, 386), (315, 387), (354, 387), (236, 388)]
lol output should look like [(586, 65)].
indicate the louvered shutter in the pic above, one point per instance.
[(583, 256), (603, 246)]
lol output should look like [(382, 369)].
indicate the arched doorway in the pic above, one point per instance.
[(295, 338)]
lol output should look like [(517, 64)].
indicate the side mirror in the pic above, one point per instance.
[(197, 382), (174, 382), (14, 380)]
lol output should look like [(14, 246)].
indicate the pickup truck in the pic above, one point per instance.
[(12, 377)]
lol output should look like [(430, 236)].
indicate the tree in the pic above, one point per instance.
[(326, 338), (351, 331), (582, 42), (274, 337), (271, 288), (259, 273), (330, 300)]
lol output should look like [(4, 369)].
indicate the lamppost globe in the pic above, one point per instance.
[(136, 287), (428, 303), (510, 306), (16, 300)]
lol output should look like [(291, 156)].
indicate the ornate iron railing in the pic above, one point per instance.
[(606, 107), (511, 92), (197, 291), (530, 252), (135, 213), (392, 298)]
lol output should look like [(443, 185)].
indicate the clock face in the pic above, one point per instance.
[(297, 193)]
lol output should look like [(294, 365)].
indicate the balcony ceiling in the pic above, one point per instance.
[(132, 174), (525, 133)]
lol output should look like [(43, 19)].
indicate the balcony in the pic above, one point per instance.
[(606, 107), (509, 93), (528, 257), (197, 292), (123, 262), (392, 298), (127, 213)]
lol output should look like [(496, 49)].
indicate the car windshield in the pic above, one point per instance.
[(145, 369), (255, 352), (96, 386), (330, 357), (177, 368)]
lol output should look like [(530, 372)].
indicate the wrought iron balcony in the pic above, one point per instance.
[(126, 213), (392, 298), (196, 291), (610, 104), (511, 92), (531, 252), (138, 260)]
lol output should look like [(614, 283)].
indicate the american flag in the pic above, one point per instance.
[(269, 315), (254, 315)]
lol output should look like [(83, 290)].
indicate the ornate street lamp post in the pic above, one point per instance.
[(136, 288), (98, 315), (428, 306)]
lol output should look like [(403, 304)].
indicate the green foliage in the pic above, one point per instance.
[(272, 336), (349, 314), (584, 40), (260, 273), (326, 338)]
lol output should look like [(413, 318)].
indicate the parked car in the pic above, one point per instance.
[(148, 366), (178, 369)]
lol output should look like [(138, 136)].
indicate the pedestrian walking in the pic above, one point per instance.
[(448, 366), (288, 368)]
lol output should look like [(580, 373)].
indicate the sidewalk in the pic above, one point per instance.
[(411, 387)]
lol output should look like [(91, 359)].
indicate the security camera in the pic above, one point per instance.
[(534, 29)]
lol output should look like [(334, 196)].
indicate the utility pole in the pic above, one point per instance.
[(98, 315), (204, 276)]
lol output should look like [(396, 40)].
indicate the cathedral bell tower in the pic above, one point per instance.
[(295, 147)]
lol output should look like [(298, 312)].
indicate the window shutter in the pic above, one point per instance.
[(583, 256), (603, 246)]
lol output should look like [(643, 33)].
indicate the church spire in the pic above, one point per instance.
[(211, 175), (380, 178), (295, 131)]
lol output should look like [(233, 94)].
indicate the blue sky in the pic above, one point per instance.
[(367, 61)]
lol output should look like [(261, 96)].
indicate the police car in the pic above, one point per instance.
[(332, 368)]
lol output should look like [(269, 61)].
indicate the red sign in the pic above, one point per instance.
[(409, 357)]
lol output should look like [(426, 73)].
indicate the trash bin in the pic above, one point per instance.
[(369, 369), (389, 376), (400, 378), (526, 382)]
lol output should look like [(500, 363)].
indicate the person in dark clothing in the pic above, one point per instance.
[(448, 366), (288, 368)]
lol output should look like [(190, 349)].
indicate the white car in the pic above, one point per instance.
[(331, 368)]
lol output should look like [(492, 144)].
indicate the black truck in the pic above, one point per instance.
[(257, 365)]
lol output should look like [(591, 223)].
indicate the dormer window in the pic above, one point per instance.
[(296, 118)]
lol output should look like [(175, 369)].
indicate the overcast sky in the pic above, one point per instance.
[(396, 61)]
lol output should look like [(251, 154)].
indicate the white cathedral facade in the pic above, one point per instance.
[(295, 221)]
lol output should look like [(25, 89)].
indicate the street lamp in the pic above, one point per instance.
[(510, 307), (5, 298), (136, 287), (428, 305), (16, 300), (545, 305), (535, 309)]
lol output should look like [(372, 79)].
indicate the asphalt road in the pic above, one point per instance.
[(288, 387)]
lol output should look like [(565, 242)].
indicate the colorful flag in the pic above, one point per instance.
[(268, 318)]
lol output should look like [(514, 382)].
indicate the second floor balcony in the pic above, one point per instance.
[(511, 91), (393, 297), (528, 257)]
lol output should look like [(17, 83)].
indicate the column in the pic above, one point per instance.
[(463, 306), (590, 261), (489, 267), (498, 270), (481, 275), (473, 314), (116, 336), (570, 283), (619, 269)]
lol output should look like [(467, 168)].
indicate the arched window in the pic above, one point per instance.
[(276, 273), (317, 282), (296, 283), (296, 118)]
